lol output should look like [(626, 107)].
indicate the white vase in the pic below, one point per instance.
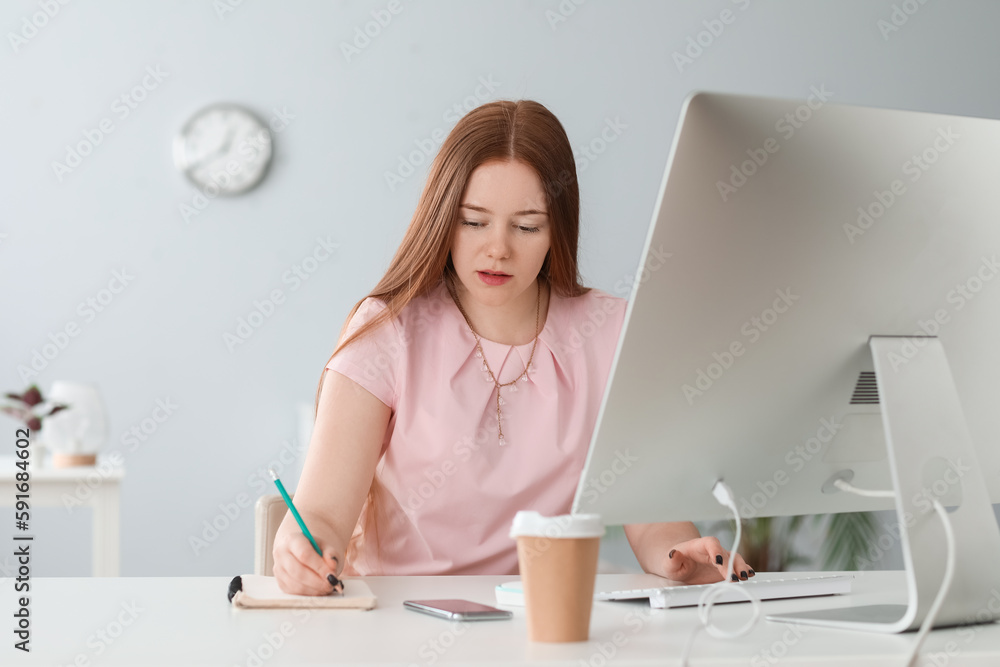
[(36, 451), (75, 434)]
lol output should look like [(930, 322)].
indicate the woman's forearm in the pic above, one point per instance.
[(651, 542)]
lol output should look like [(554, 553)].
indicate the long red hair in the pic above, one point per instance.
[(502, 130)]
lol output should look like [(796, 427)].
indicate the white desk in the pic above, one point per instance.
[(188, 621), (94, 486)]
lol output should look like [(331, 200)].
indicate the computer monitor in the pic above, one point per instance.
[(830, 308)]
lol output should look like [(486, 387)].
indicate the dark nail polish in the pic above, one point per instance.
[(752, 573), (333, 580), (671, 554), (718, 560), (743, 575), (735, 578)]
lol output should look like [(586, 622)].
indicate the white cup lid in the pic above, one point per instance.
[(531, 523)]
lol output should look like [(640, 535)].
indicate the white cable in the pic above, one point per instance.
[(844, 486), (724, 495), (949, 570)]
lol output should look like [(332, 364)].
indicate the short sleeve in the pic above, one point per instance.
[(373, 360), (612, 318)]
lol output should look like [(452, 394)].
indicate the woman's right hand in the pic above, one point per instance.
[(299, 569), (347, 437)]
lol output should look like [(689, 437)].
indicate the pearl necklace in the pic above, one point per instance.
[(486, 366)]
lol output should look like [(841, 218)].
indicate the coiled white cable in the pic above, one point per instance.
[(724, 495), (949, 571)]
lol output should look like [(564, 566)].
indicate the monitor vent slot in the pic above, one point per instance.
[(865, 391)]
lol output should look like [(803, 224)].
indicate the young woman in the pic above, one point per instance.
[(466, 385)]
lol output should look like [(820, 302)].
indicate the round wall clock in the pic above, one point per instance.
[(224, 146)]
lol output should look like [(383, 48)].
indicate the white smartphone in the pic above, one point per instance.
[(457, 610)]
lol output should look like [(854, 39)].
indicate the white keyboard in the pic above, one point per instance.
[(764, 586)]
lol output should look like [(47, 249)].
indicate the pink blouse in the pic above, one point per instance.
[(452, 488)]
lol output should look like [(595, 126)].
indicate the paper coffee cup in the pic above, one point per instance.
[(557, 557)]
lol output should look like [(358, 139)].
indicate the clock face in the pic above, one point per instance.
[(223, 147)]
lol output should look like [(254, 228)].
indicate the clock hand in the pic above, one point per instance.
[(222, 150), (228, 143)]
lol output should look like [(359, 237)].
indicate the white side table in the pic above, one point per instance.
[(96, 486)]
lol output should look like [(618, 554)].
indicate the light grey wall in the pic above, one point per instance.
[(349, 123)]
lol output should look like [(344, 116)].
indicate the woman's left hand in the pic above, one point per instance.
[(701, 561)]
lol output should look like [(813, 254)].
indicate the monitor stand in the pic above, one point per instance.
[(930, 456)]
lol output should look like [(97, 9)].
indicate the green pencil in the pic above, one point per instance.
[(295, 512), (298, 518)]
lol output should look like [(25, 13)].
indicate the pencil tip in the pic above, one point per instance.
[(273, 474)]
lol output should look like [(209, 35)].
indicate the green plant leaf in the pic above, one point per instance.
[(767, 541), (849, 538)]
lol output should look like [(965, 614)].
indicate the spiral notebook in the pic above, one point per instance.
[(254, 591)]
